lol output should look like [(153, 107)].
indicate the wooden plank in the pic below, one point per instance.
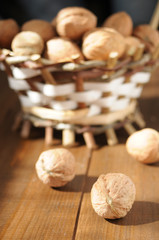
[(142, 222), (29, 209)]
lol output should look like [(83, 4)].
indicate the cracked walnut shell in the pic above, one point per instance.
[(143, 145), (56, 167), (113, 195)]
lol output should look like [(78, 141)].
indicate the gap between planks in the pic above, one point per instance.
[(81, 198)]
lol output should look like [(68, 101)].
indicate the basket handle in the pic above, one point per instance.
[(154, 22)]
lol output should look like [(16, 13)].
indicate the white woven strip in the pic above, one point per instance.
[(63, 105), (120, 104), (39, 86), (2, 67), (96, 86), (18, 85), (94, 110), (106, 101), (136, 93), (124, 89), (86, 96), (25, 101), (104, 87), (57, 90), (115, 83), (141, 77), (38, 98), (24, 73)]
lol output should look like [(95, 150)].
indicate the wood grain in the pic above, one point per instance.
[(35, 210)]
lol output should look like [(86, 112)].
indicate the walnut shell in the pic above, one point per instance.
[(73, 22), (8, 29), (113, 195), (63, 50), (56, 167), (132, 44), (27, 43), (148, 35), (42, 27), (121, 22), (143, 145), (100, 42)]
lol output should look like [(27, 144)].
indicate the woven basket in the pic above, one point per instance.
[(88, 98)]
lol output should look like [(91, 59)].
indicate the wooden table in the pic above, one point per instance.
[(31, 210)]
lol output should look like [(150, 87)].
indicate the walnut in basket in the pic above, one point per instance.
[(99, 43), (27, 43), (121, 22), (8, 29), (42, 27), (132, 44), (73, 22), (62, 50), (148, 35)]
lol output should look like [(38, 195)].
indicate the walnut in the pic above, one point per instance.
[(73, 22), (132, 44), (121, 22), (27, 43), (42, 27), (63, 50), (99, 43), (113, 195), (8, 29), (148, 35), (56, 167), (143, 145)]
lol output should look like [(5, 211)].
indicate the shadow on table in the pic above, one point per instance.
[(141, 213), (78, 184)]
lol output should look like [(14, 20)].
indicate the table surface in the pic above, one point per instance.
[(32, 210)]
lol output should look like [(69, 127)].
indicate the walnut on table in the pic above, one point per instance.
[(143, 145), (113, 195), (56, 167)]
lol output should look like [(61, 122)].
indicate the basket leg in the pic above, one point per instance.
[(139, 120), (68, 137), (48, 135), (90, 140), (111, 137), (129, 128), (17, 121), (26, 127)]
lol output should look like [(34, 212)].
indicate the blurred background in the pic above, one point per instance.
[(24, 10)]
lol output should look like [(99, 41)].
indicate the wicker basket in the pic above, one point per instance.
[(88, 98)]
